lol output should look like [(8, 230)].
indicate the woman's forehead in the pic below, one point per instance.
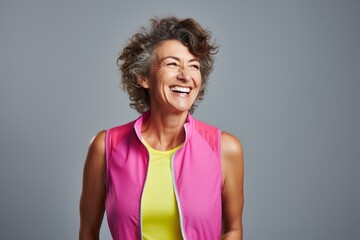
[(173, 49)]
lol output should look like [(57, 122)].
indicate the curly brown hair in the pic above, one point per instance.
[(136, 58)]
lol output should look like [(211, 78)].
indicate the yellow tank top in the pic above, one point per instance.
[(160, 217)]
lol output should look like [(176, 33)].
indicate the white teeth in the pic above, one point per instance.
[(180, 89)]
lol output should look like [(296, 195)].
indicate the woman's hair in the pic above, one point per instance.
[(136, 58)]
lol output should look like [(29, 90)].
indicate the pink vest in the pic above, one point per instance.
[(196, 171)]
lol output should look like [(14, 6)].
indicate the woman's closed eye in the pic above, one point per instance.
[(172, 64), (195, 66)]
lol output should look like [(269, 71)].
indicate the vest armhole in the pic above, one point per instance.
[(219, 156), (107, 157)]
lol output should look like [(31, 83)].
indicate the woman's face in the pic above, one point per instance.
[(175, 78)]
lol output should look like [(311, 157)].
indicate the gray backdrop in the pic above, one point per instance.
[(286, 83)]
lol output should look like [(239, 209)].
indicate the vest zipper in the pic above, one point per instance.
[(143, 187), (177, 197), (176, 192)]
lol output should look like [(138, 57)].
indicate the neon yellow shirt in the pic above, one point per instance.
[(160, 217)]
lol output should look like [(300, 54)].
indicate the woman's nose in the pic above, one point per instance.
[(184, 74)]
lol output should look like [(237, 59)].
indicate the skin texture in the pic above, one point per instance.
[(92, 202), (173, 65), (232, 192)]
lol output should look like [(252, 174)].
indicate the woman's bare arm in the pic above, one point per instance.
[(232, 194), (92, 202)]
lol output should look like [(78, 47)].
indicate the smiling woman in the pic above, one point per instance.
[(174, 80), (165, 175)]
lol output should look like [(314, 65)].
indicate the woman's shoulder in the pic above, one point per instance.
[(232, 160), (231, 147), (118, 133), (97, 143)]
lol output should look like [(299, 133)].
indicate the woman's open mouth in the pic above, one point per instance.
[(178, 89)]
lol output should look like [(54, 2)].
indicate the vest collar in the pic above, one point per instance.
[(188, 126)]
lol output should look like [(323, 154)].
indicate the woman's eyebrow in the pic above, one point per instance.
[(171, 57), (194, 60), (178, 59)]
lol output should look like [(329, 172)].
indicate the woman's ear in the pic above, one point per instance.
[(143, 81)]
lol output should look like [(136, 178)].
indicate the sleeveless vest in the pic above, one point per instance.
[(196, 172)]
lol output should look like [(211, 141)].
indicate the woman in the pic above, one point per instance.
[(164, 175)]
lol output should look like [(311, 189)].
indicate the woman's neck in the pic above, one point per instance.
[(164, 131)]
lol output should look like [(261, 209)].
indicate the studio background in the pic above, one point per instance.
[(286, 83)]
